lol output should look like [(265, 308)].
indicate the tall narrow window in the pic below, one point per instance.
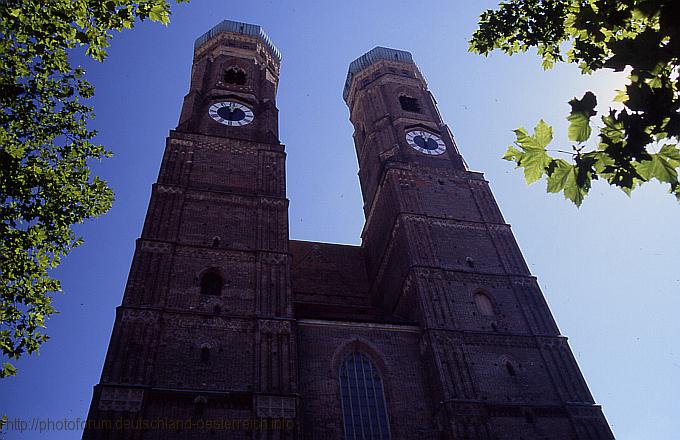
[(409, 104), (363, 400), (234, 75), (211, 284), (484, 304), (510, 368), (199, 406), (205, 354)]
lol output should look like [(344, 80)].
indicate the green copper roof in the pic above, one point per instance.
[(239, 28), (373, 56)]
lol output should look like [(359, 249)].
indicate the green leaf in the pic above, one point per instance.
[(579, 118), (563, 177), (524, 140), (543, 134), (8, 370), (512, 154), (559, 175), (659, 167), (579, 127), (160, 13), (603, 163), (535, 164), (533, 157), (671, 154), (613, 130), (621, 96), (573, 191)]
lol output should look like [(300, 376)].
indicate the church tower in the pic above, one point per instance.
[(432, 328), (205, 331), (439, 254)]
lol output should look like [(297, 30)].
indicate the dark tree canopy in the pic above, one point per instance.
[(635, 144)]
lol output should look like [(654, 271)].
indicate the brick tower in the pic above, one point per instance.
[(206, 329), (439, 254), (433, 328)]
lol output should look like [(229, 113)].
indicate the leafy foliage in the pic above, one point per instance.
[(635, 144), (46, 185)]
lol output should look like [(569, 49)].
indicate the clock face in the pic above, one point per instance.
[(231, 113), (425, 142)]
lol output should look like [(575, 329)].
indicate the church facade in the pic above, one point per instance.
[(433, 328)]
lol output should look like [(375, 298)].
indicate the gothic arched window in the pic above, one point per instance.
[(484, 304), (205, 353), (211, 284), (363, 400), (409, 104), (510, 368), (199, 405), (234, 75)]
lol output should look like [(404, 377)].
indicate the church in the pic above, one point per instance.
[(432, 328)]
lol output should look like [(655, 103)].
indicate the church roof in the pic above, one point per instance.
[(238, 27), (371, 57)]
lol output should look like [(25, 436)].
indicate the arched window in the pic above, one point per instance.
[(510, 368), (205, 353), (409, 104), (234, 75), (199, 405), (363, 400), (484, 304), (211, 284)]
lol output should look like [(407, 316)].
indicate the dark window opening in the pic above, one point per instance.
[(363, 400), (510, 368), (409, 104), (211, 284), (216, 242), (205, 354), (234, 75), (217, 310), (199, 406)]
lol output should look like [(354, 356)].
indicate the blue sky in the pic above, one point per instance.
[(608, 270)]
